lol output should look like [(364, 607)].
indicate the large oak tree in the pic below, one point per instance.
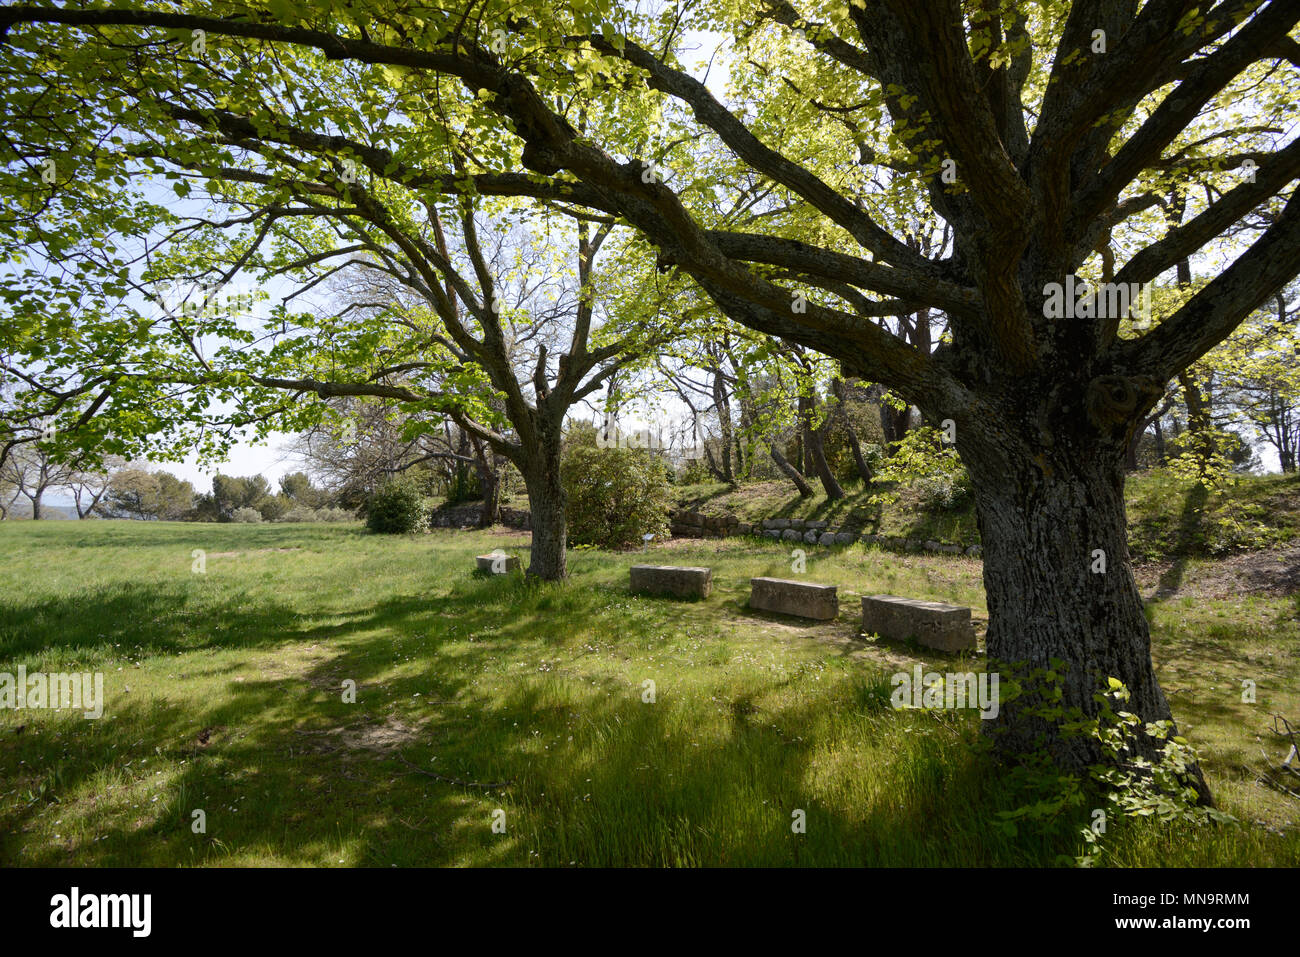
[(1045, 137)]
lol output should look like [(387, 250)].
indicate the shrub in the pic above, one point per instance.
[(933, 469), (250, 515), (334, 515), (301, 513), (615, 495), (944, 493), (274, 507), (398, 506)]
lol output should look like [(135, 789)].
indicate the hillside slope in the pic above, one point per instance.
[(1168, 516)]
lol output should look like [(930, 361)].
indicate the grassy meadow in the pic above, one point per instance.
[(489, 700)]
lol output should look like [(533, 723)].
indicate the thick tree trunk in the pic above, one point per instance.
[(895, 423), (36, 506), (489, 482), (1052, 517), (547, 503)]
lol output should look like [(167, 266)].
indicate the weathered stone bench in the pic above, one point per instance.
[(932, 623), (680, 581), (805, 599), (497, 564)]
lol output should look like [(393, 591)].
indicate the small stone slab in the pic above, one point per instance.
[(680, 581), (497, 564), (933, 624), (805, 599)]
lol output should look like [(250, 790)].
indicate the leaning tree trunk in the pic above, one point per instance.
[(790, 471), (547, 503), (817, 443), (1057, 575), (841, 394)]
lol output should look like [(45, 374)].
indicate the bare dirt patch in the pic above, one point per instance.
[(375, 737), (1267, 573), (378, 738)]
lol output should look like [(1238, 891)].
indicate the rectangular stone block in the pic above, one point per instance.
[(680, 581), (805, 599), (497, 564), (932, 623)]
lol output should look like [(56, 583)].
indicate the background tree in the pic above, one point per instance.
[(89, 485), (139, 493), (32, 471)]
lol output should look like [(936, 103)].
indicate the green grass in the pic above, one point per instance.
[(224, 694)]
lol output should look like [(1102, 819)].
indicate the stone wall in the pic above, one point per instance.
[(688, 524), (685, 524), (467, 515)]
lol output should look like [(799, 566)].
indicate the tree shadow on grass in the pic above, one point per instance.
[(288, 772), (157, 619), (1189, 524)]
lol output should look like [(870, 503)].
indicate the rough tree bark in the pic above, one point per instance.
[(548, 504), (489, 483), (1049, 492)]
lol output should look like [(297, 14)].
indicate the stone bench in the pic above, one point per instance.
[(680, 581), (932, 623), (497, 564), (805, 599)]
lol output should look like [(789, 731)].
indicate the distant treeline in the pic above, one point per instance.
[(118, 489), (135, 493)]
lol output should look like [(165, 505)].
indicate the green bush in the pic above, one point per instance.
[(251, 515), (615, 495), (301, 513), (932, 468), (398, 506), (274, 507), (330, 514)]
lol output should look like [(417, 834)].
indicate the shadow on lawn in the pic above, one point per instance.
[(155, 619), (1189, 525), (287, 772)]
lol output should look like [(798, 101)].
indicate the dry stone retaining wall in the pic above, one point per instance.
[(684, 523), (467, 516), (688, 524)]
